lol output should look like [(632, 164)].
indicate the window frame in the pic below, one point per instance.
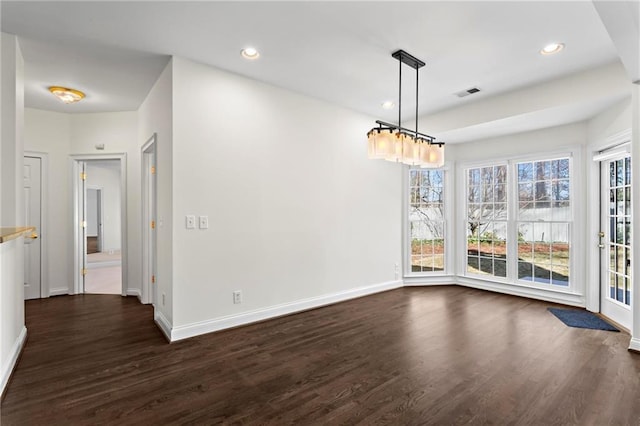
[(447, 193), (465, 219), (576, 239)]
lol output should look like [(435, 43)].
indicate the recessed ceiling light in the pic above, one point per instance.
[(552, 48), (249, 53), (66, 95), (388, 105)]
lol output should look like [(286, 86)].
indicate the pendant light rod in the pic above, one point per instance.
[(417, 74), (432, 139), (408, 59), (399, 93)]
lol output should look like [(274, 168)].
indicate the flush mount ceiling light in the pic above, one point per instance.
[(551, 48), (250, 53), (396, 143), (66, 95), (388, 105)]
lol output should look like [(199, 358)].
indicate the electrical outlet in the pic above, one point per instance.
[(237, 297), (191, 221), (163, 299), (397, 270)]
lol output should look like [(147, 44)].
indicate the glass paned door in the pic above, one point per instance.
[(615, 239)]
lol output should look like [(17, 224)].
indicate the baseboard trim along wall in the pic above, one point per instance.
[(14, 354), (429, 281), (634, 344), (196, 329), (163, 324), (61, 291), (134, 292), (531, 293)]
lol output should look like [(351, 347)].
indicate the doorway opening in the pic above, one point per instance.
[(100, 224)]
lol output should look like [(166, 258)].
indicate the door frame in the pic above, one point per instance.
[(593, 294), (75, 160), (99, 212), (149, 199), (44, 217)]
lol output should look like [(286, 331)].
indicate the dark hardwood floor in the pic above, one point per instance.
[(438, 355)]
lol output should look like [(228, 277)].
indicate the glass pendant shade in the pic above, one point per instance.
[(395, 154), (371, 145), (380, 144), (431, 156), (411, 151)]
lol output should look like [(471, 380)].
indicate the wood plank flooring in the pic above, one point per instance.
[(438, 355)]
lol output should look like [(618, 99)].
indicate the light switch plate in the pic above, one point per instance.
[(204, 222), (191, 221)]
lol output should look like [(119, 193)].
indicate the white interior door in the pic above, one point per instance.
[(149, 224), (32, 211), (82, 213), (615, 239)]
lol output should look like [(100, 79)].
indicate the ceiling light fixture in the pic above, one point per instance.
[(250, 53), (396, 143), (388, 105), (552, 48), (66, 95)]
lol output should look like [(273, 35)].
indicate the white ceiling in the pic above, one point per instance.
[(335, 51)]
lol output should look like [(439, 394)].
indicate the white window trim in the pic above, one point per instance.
[(575, 293), (449, 240)]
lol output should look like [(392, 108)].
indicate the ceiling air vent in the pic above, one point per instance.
[(467, 92)]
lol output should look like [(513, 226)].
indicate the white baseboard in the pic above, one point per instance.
[(429, 281), (10, 365), (634, 344), (195, 329), (163, 324), (531, 293), (134, 292), (58, 291), (98, 265)]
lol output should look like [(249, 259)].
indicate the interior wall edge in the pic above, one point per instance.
[(12, 361)]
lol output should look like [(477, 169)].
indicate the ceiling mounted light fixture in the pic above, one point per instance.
[(66, 95), (396, 143), (388, 105), (250, 53), (551, 48)]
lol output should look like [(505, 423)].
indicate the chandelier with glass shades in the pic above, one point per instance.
[(396, 143)]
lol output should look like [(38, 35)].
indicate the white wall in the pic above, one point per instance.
[(61, 135), (296, 210), (118, 131), (635, 126), (12, 325), (12, 128), (156, 116), (610, 122), (105, 175), (550, 139), (49, 132)]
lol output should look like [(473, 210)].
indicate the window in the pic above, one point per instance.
[(518, 222), (426, 220), (619, 216), (544, 214), (487, 221)]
